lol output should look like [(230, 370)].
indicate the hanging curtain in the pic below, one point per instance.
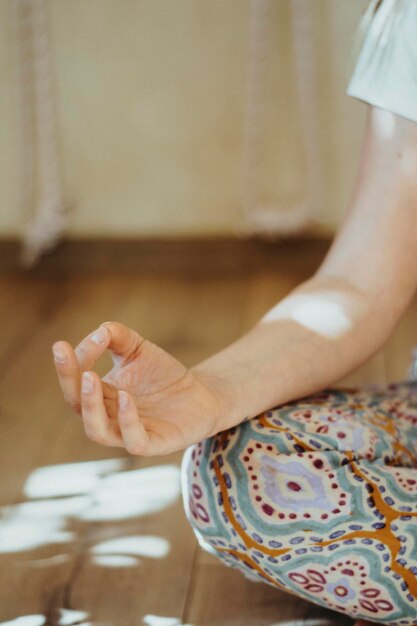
[(277, 220), (42, 196)]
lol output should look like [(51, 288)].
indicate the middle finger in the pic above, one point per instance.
[(92, 347), (94, 414)]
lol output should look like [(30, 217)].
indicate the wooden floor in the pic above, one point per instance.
[(108, 543)]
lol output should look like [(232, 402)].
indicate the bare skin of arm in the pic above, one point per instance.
[(151, 404)]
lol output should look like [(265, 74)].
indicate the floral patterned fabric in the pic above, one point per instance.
[(317, 498)]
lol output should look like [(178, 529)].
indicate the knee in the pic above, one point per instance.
[(248, 485)]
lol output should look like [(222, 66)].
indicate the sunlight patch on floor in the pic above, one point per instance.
[(56, 559), (115, 560), (106, 492), (133, 493), (159, 620), (146, 545), (21, 534), (26, 620), (67, 617), (69, 478)]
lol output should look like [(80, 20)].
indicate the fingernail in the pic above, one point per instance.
[(123, 400), (99, 336), (87, 383), (59, 355)]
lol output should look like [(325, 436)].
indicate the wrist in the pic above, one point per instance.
[(220, 389)]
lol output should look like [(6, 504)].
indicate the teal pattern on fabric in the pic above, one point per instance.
[(317, 498)]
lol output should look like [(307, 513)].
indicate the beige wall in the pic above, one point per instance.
[(150, 97)]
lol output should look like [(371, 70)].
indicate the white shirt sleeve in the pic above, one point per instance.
[(385, 74)]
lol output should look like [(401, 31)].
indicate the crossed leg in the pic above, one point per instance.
[(317, 498)]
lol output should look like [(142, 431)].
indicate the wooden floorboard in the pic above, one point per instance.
[(188, 256), (25, 303), (54, 550)]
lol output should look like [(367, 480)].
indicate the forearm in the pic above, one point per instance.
[(319, 333)]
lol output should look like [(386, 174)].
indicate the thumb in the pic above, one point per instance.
[(123, 342)]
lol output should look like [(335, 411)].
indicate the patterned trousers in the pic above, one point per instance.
[(317, 498)]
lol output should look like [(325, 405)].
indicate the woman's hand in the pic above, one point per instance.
[(148, 403)]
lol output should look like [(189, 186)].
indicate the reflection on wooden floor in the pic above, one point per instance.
[(106, 541)]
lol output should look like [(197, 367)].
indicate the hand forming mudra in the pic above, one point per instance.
[(148, 403)]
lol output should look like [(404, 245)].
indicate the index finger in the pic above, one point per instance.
[(69, 373), (122, 341), (92, 347)]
